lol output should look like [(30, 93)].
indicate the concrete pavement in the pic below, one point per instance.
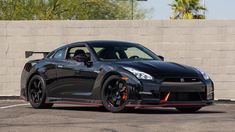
[(23, 118)]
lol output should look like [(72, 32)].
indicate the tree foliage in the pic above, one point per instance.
[(187, 9), (68, 10)]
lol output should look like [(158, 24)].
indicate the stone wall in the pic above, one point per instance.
[(209, 45)]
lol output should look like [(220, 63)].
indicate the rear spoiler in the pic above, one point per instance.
[(30, 53)]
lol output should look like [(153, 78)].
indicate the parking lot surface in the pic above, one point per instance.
[(18, 116)]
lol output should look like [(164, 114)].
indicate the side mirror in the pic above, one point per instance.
[(161, 57)]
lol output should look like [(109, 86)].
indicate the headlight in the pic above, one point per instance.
[(205, 76), (139, 74)]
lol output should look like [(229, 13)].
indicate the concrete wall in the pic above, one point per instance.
[(209, 45)]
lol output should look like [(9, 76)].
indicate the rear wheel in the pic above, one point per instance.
[(188, 109), (37, 93), (114, 94)]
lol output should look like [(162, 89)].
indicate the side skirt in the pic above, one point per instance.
[(71, 101), (97, 103)]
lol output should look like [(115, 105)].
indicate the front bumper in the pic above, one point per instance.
[(175, 94)]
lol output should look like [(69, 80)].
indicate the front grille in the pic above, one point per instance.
[(175, 96), (181, 80)]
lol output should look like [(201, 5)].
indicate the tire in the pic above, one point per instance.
[(188, 109), (114, 94), (37, 93)]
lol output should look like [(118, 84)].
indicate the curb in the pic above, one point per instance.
[(224, 101), (10, 98)]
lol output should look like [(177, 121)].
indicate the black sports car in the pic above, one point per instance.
[(116, 75)]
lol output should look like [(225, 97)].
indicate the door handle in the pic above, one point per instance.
[(79, 71)]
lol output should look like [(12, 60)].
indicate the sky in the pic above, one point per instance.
[(216, 9)]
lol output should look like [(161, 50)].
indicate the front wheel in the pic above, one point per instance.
[(37, 93), (188, 109), (114, 94)]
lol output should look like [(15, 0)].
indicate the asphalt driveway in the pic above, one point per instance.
[(18, 116)]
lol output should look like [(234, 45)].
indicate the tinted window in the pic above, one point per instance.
[(50, 55), (123, 52), (71, 52), (59, 54)]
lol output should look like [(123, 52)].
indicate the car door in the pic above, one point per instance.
[(49, 70), (54, 90), (75, 79)]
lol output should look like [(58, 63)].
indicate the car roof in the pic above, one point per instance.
[(96, 43), (99, 42)]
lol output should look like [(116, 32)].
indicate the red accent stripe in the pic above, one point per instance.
[(129, 105), (165, 105), (166, 97), (75, 103)]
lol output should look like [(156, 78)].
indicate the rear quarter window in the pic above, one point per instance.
[(59, 54)]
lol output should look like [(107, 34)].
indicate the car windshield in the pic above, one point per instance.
[(111, 52)]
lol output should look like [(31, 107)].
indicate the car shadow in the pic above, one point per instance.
[(138, 110)]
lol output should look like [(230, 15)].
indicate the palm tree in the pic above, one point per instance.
[(69, 10), (187, 9)]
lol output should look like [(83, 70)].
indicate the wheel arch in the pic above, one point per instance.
[(132, 81), (107, 75), (28, 80)]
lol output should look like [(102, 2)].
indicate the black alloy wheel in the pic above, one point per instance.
[(115, 94), (37, 93)]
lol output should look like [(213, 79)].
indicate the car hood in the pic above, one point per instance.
[(159, 69)]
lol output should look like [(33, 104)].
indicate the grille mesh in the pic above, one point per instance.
[(182, 80)]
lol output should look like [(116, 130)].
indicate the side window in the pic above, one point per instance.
[(50, 55), (133, 51), (74, 50), (59, 54)]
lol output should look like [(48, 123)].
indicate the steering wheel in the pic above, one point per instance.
[(134, 57)]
